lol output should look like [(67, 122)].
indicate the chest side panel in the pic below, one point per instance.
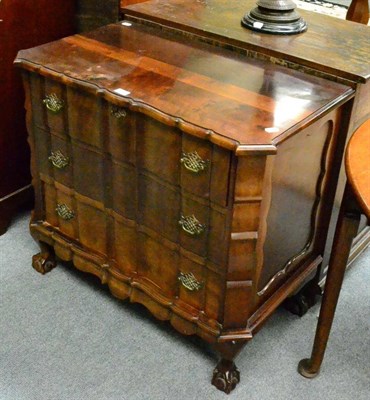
[(299, 189)]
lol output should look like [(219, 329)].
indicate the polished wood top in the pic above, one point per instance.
[(358, 166), (211, 92), (330, 45)]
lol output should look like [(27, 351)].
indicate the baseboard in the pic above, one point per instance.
[(360, 243), (10, 204)]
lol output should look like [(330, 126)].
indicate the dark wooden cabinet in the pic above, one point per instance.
[(199, 191), (23, 24)]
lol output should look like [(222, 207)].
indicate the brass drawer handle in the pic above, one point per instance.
[(193, 162), (58, 159), (190, 282), (118, 112), (53, 103), (191, 225), (64, 212)]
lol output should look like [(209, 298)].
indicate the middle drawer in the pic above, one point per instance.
[(72, 164)]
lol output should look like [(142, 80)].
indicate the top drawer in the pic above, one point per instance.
[(65, 110), (192, 164), (48, 104), (167, 154)]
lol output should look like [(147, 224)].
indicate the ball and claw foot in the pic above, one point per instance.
[(304, 368), (301, 302), (43, 263), (226, 376)]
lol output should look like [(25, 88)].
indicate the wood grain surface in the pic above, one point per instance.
[(260, 106), (330, 44)]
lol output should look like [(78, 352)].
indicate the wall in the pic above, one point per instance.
[(94, 13)]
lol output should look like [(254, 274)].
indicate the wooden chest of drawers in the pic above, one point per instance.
[(200, 192)]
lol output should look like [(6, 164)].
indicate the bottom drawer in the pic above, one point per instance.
[(154, 262), (76, 216), (178, 275)]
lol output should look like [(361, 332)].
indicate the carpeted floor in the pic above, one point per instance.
[(65, 338), (337, 8), (333, 8)]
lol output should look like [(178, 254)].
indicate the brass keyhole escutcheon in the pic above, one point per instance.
[(118, 112)]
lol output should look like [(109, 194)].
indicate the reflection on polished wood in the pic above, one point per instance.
[(268, 101), (356, 199), (219, 20)]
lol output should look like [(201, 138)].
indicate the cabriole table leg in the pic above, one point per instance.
[(347, 226)]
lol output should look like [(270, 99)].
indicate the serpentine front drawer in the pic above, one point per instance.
[(194, 180)]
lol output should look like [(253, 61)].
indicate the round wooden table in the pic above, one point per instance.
[(356, 201), (358, 166)]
